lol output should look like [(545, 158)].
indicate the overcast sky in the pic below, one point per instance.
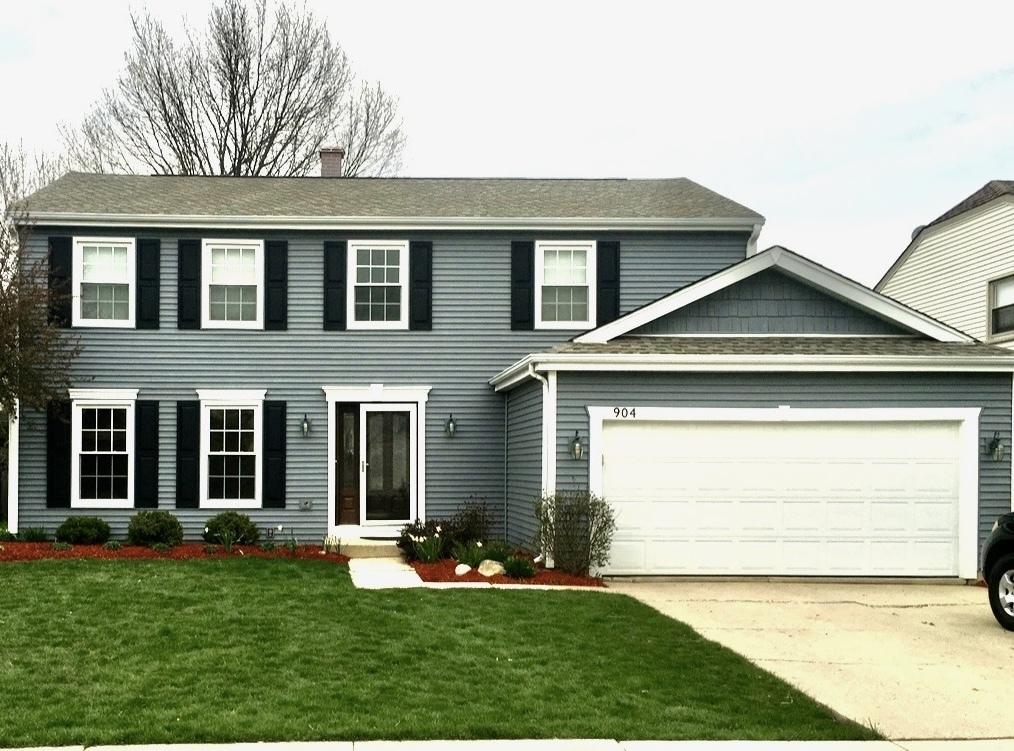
[(845, 125)]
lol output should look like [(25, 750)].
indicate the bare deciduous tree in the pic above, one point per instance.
[(258, 92)]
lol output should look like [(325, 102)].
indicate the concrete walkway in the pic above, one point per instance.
[(915, 661), (383, 573)]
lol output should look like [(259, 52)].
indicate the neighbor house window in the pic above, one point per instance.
[(231, 448), (104, 281), (233, 277), (378, 284), (1001, 306), (564, 285), (102, 448)]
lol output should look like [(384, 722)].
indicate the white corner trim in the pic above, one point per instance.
[(549, 419), (795, 265), (13, 463), (968, 441), (231, 396), (102, 395)]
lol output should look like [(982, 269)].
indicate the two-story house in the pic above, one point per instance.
[(344, 355)]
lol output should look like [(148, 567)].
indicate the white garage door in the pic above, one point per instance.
[(791, 498)]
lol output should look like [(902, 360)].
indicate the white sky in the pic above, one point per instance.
[(845, 125)]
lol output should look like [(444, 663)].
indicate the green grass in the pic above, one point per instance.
[(245, 649)]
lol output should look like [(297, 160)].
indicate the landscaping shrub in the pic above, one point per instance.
[(161, 547), (83, 530), (62, 546), (519, 568), (576, 530), (6, 535), (418, 529), (230, 528), (470, 524), (113, 545), (469, 553), (33, 534), (153, 528)]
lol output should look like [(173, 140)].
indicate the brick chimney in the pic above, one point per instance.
[(331, 161)]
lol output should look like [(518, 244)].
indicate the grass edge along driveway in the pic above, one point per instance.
[(275, 650)]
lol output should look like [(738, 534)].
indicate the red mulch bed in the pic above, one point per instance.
[(443, 571), (37, 551)]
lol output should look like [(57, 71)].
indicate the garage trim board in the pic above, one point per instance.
[(966, 421)]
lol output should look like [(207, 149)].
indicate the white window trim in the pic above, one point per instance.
[(77, 274), (100, 398), (258, 248), (591, 247), (235, 399), (350, 274)]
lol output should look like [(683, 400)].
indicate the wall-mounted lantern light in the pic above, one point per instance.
[(450, 427), (305, 425), (576, 447), (996, 448)]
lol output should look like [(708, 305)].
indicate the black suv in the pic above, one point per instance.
[(998, 568)]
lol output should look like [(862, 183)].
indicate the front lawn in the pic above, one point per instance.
[(248, 649)]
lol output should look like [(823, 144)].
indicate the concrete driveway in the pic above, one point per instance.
[(912, 660)]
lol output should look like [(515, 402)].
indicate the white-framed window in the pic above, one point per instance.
[(564, 284), (104, 282), (378, 284), (1001, 306), (102, 448), (231, 455), (232, 277)]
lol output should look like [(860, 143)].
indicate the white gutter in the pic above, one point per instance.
[(13, 456), (545, 424), (378, 223), (718, 363), (751, 244)]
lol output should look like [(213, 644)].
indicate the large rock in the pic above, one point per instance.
[(491, 568), (461, 569)]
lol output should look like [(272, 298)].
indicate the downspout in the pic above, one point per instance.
[(545, 443), (751, 243), (506, 437)]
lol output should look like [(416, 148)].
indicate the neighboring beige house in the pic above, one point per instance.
[(959, 268)]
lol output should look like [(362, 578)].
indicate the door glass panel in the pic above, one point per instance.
[(388, 469)]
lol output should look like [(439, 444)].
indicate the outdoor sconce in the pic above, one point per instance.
[(996, 448), (305, 425), (576, 447), (450, 427)]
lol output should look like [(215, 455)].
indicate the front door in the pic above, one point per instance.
[(387, 463)]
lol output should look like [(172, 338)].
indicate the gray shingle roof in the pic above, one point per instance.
[(985, 194), (309, 197), (809, 345)]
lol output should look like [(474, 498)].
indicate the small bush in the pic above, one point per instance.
[(62, 546), (469, 553), (519, 568), (230, 528), (419, 529), (6, 535), (428, 549), (113, 545), (154, 527), (33, 534), (268, 545), (470, 524), (83, 530), (576, 529), (161, 547)]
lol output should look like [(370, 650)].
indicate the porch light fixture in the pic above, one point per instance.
[(450, 427), (996, 448), (305, 425), (576, 447)]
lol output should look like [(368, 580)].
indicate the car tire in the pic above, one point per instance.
[(1001, 591)]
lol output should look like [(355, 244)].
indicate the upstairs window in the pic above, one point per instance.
[(564, 285), (1001, 306), (233, 277), (104, 281), (378, 289)]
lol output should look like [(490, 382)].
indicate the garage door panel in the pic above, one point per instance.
[(795, 498)]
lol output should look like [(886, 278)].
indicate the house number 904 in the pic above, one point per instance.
[(624, 412)]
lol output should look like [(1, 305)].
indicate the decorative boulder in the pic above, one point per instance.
[(491, 568), (461, 569)]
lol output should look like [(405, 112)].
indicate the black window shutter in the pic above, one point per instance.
[(522, 285), (188, 450), (149, 252), (58, 455), (274, 455), (335, 253), (420, 289), (607, 280), (188, 313), (146, 454), (60, 270), (276, 285)]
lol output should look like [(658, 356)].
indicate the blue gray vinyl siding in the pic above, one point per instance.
[(524, 461), (989, 391), (769, 303), (470, 342)]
